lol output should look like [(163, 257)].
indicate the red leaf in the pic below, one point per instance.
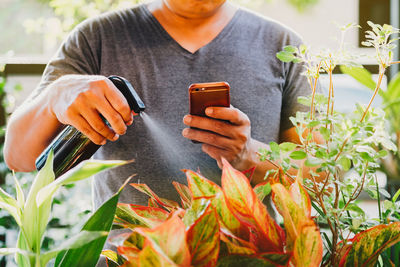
[(249, 173), (202, 187), (365, 248), (184, 193), (293, 217), (236, 245), (168, 240), (300, 196), (249, 210), (308, 248), (203, 239), (168, 204), (150, 257), (130, 253)]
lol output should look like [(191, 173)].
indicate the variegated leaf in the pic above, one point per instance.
[(169, 240), (368, 245), (300, 196), (167, 204), (308, 248), (202, 187), (184, 193), (203, 239), (238, 246), (293, 217), (249, 210)]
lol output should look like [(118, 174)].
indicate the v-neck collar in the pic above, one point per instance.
[(173, 43)]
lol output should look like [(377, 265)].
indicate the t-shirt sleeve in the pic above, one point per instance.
[(296, 85), (78, 54)]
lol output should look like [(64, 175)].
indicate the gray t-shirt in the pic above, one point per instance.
[(131, 43)]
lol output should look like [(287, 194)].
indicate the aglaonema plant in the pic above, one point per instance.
[(330, 144), (32, 216), (218, 226)]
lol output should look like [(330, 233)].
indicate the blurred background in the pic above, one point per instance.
[(32, 30)]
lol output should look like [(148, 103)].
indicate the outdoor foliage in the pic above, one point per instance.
[(33, 212), (391, 106), (331, 144), (68, 14), (224, 226)]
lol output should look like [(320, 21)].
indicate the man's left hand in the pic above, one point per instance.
[(225, 132)]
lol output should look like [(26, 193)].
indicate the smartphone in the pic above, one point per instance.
[(204, 95)]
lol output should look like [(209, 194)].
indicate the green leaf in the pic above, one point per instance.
[(290, 48), (287, 146), (262, 190), (303, 49), (274, 148), (8, 203), (326, 134), (113, 256), (298, 155), (361, 75), (393, 89), (396, 196), (345, 162), (20, 193), (285, 56), (77, 241), (84, 170), (35, 218), (101, 220), (306, 101), (366, 246)]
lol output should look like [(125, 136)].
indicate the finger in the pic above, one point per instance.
[(230, 114), (84, 127), (213, 125), (112, 116), (214, 152), (207, 138), (118, 102), (92, 117)]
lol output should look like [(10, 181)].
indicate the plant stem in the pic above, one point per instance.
[(314, 88), (379, 199), (378, 85)]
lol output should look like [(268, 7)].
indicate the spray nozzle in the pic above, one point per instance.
[(129, 93)]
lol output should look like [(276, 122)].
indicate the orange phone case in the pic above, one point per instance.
[(203, 95)]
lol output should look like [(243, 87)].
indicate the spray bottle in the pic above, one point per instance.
[(71, 146)]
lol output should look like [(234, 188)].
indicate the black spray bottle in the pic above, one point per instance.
[(71, 146)]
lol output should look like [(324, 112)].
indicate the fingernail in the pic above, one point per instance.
[(209, 111), (103, 142), (187, 119), (129, 123), (115, 138), (185, 132)]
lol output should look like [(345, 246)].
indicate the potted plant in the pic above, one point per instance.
[(33, 212)]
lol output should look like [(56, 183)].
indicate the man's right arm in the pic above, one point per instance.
[(76, 100)]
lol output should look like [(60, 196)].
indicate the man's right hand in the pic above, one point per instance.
[(78, 100)]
